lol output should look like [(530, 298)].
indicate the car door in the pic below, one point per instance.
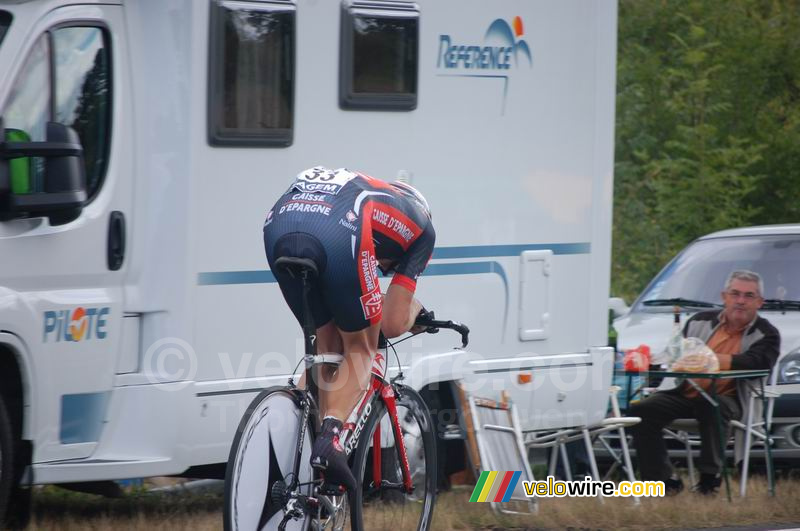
[(66, 275)]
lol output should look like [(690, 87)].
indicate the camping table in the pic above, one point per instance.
[(712, 399)]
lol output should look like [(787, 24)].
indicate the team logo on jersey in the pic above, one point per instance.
[(372, 304), (307, 202), (269, 218), (307, 196), (369, 271), (397, 224), (348, 221), (322, 180)]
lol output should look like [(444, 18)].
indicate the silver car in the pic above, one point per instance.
[(694, 280)]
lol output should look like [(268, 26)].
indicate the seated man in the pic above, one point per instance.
[(741, 339)]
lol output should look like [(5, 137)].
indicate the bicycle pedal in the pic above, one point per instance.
[(451, 432), (320, 463), (327, 489)]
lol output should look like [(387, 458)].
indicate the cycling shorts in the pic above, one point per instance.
[(337, 293)]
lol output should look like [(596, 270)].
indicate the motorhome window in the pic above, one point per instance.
[(378, 58), (5, 22), (29, 109), (251, 96), (700, 270), (83, 94)]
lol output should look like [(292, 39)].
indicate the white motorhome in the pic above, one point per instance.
[(137, 317)]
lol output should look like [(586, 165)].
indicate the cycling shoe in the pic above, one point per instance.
[(329, 457)]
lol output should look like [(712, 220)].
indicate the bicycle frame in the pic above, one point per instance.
[(379, 389)]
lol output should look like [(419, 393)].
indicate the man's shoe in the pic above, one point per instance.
[(328, 456), (708, 484), (673, 486)]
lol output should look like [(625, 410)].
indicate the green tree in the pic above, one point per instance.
[(707, 125)]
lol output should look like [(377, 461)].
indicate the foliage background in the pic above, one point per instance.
[(708, 126)]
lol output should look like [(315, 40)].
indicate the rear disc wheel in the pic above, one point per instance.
[(262, 460)]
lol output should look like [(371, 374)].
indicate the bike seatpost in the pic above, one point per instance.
[(310, 336)]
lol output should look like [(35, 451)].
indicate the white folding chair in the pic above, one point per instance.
[(495, 425), (556, 440)]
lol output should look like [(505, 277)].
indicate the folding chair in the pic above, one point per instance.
[(499, 442), (557, 440), (753, 423)]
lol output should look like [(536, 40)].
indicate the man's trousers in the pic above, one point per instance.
[(661, 408)]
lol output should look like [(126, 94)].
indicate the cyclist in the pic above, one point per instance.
[(350, 225)]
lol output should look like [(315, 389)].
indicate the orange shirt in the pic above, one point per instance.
[(727, 344)]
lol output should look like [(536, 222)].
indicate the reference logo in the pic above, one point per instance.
[(501, 42), (502, 50)]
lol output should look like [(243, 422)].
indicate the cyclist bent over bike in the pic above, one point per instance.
[(350, 225)]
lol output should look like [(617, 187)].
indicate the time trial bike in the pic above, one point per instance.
[(389, 438)]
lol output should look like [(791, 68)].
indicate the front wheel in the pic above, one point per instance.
[(261, 461), (384, 506)]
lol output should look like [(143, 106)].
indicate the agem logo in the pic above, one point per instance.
[(502, 47), (80, 324)]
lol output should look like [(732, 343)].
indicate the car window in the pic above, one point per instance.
[(699, 272), (29, 106), (79, 59), (83, 94)]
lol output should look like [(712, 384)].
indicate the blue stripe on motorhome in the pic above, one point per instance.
[(433, 270), (221, 278), (82, 417), (218, 278), (491, 251)]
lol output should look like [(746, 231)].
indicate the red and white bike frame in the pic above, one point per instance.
[(379, 389)]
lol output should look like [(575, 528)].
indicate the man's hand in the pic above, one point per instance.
[(418, 329), (400, 310), (698, 362)]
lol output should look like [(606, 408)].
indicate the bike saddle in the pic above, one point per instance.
[(295, 265)]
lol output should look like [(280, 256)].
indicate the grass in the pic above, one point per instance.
[(687, 510), (56, 509)]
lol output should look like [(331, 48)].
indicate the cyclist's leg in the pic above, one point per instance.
[(359, 336), (350, 291), (329, 340), (341, 395), (352, 378)]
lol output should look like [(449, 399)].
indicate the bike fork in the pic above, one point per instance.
[(388, 396)]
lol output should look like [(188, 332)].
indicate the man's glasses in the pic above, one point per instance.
[(747, 295)]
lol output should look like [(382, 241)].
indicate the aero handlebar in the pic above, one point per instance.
[(427, 319)]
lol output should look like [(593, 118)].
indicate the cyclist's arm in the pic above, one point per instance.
[(400, 310)]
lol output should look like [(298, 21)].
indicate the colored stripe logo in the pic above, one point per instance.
[(494, 486)]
